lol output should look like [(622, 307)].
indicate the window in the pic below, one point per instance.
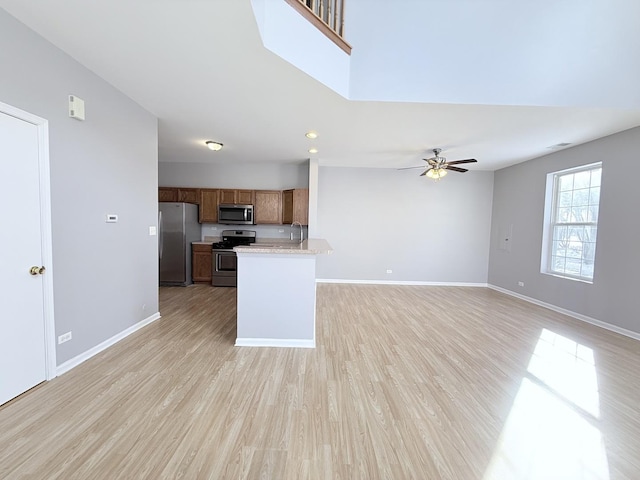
[(571, 222)]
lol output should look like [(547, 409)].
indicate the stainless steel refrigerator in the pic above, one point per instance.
[(178, 226)]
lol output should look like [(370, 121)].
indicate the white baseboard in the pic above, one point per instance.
[(77, 360), (398, 282), (274, 342), (577, 316)]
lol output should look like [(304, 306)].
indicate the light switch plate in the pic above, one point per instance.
[(152, 230)]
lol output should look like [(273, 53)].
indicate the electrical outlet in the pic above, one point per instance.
[(389, 271), (521, 284), (281, 230), (65, 337)]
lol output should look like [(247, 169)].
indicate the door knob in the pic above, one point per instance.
[(37, 270)]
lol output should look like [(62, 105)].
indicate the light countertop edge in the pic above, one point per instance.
[(311, 246)]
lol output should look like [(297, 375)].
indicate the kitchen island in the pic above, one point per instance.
[(277, 293)]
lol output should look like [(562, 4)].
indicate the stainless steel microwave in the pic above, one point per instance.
[(229, 214)]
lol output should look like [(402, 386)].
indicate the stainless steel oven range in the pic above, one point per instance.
[(225, 262)]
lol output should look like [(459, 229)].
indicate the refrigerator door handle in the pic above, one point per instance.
[(160, 234)]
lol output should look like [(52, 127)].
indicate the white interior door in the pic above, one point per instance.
[(22, 321)]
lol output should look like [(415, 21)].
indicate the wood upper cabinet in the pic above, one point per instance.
[(246, 197), (295, 206), (179, 194), (268, 207), (189, 195), (235, 196), (201, 266), (167, 194), (208, 205)]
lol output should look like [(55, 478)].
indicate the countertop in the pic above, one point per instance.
[(311, 246)]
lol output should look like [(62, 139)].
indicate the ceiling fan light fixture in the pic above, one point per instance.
[(436, 173), (215, 146)]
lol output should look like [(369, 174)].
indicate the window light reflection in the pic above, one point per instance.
[(552, 431)]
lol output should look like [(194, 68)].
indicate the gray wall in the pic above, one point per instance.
[(103, 273), (254, 176), (519, 200), (425, 231)]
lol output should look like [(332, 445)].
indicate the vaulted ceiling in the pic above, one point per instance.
[(497, 80)]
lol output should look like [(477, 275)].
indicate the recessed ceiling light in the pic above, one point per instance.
[(313, 150), (215, 146), (311, 135)]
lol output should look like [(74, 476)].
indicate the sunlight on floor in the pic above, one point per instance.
[(552, 429)]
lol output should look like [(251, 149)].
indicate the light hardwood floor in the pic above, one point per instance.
[(405, 383)]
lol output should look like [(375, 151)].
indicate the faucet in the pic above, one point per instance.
[(301, 234)]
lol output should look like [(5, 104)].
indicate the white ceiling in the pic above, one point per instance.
[(496, 80)]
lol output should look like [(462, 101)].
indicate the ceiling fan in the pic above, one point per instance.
[(437, 166)]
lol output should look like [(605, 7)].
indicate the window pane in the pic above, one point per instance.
[(594, 196), (593, 214), (587, 270), (582, 179), (573, 266), (557, 264), (566, 182), (559, 249), (564, 215), (565, 199), (581, 197), (579, 214), (595, 177), (560, 232)]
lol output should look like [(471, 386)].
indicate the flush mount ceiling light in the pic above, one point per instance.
[(313, 150), (311, 135), (215, 146)]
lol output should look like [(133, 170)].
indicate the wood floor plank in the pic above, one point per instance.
[(406, 382)]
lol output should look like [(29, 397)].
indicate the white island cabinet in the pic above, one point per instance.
[(277, 293)]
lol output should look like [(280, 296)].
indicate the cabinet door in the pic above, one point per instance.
[(189, 195), (245, 197), (208, 205), (167, 194), (268, 207), (201, 263), (295, 206), (227, 196)]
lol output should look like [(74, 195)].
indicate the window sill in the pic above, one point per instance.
[(557, 275)]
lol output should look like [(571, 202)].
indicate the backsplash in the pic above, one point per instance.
[(262, 231)]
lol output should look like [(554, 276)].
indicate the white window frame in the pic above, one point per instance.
[(551, 221)]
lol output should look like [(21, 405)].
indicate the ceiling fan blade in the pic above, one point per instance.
[(456, 169), (468, 160), (425, 172), (410, 168)]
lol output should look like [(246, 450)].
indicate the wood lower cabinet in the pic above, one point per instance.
[(167, 194), (268, 207), (201, 267), (208, 205), (295, 206)]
